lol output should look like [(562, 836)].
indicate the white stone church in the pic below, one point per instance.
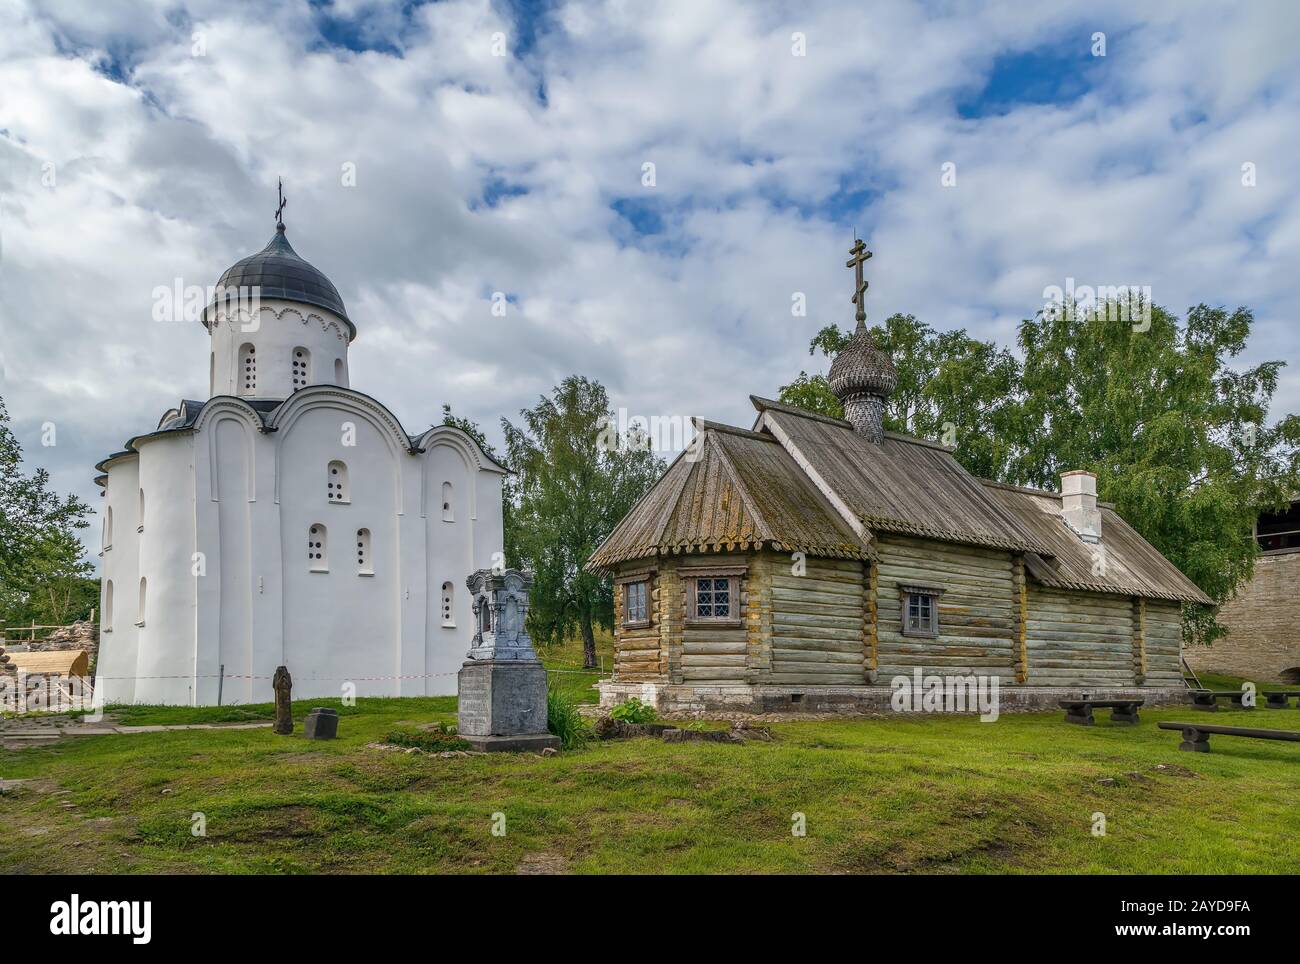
[(289, 519)]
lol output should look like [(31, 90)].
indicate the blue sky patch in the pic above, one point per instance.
[(1056, 73)]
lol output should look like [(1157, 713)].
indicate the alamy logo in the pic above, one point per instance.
[(111, 917), (919, 693)]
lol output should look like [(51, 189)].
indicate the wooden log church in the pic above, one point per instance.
[(808, 561)]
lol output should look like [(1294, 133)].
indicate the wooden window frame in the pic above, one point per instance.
[(621, 583), (733, 575), (906, 593)]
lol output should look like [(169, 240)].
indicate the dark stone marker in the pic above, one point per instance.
[(282, 683), (322, 724)]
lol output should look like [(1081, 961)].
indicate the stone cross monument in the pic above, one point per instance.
[(502, 685)]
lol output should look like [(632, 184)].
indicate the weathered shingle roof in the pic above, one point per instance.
[(901, 485), (1123, 562), (775, 487), (736, 490)]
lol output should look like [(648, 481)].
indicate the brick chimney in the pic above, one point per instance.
[(1079, 504)]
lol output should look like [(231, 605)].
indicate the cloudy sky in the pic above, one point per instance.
[(502, 146)]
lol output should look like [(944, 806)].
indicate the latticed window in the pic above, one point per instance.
[(301, 368), (713, 598), (636, 602)]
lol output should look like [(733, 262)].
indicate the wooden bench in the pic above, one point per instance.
[(1196, 736), (1208, 699), (1279, 699), (1121, 711)]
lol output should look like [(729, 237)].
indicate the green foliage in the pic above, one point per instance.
[(633, 711), (438, 739), (470, 428), (1180, 441), (43, 577), (951, 387), (564, 720), (575, 481)]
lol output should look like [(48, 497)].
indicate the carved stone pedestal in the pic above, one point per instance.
[(503, 705), (501, 688)]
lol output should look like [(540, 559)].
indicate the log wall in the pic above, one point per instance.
[(639, 654), (817, 621), (977, 612), (1164, 643), (1080, 639), (713, 654), (840, 623)]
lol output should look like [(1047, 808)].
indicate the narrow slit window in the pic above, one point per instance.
[(108, 528), (336, 482), (140, 521), (365, 564), (301, 368), (448, 514), (318, 549), (338, 371), (108, 606), (144, 586), (448, 614), (248, 368)]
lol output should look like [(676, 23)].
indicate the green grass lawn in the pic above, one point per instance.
[(563, 661), (915, 794)]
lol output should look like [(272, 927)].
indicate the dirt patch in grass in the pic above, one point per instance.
[(542, 864)]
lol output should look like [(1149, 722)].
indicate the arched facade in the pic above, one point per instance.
[(290, 521)]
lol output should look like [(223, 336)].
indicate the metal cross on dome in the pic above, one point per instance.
[(279, 211), (860, 256)]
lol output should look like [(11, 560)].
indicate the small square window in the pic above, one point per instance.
[(920, 613), (715, 598)]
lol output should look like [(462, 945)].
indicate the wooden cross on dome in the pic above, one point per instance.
[(860, 256)]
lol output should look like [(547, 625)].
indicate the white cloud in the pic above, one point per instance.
[(166, 166)]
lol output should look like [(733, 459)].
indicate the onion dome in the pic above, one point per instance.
[(862, 368), (278, 272)]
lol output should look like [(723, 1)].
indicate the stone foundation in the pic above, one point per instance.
[(681, 699)]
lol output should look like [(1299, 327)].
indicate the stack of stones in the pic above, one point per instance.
[(80, 635)]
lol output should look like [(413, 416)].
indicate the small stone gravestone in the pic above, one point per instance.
[(501, 687), (282, 682), (322, 724)]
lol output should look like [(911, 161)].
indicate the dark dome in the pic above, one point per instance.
[(862, 368), (280, 273)]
